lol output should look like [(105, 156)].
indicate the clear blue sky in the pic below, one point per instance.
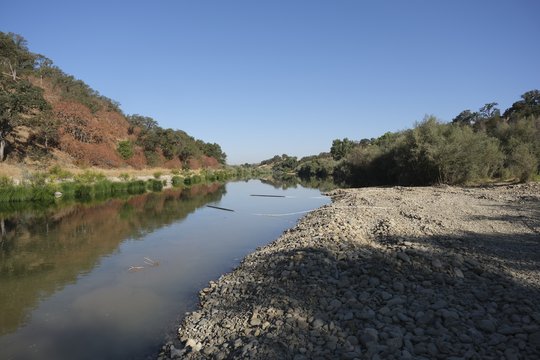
[(270, 77)]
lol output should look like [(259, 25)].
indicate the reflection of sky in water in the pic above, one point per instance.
[(110, 312)]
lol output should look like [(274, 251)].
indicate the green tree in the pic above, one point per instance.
[(466, 117), (340, 148), (20, 102), (125, 149), (529, 105), (15, 59)]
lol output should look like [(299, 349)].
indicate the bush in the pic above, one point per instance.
[(155, 185), (124, 176), (89, 177), (176, 181), (522, 162), (57, 173), (157, 174), (136, 187), (83, 192), (5, 181), (125, 149)]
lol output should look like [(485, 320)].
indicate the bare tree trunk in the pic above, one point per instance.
[(2, 147), (13, 71)]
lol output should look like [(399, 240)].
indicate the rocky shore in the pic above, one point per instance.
[(384, 273)]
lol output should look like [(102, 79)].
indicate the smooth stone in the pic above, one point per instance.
[(486, 325)]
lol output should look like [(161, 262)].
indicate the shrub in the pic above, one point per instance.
[(89, 177), (124, 176), (125, 149), (83, 192), (136, 187), (176, 181), (522, 162), (157, 174), (155, 185), (57, 173), (5, 181)]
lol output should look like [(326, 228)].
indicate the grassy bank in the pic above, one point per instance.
[(45, 187)]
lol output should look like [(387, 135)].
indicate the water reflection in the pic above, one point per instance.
[(65, 286), (43, 250)]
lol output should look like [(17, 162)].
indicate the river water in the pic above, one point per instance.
[(112, 280)]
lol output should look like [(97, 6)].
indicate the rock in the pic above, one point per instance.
[(348, 292), (238, 343), (486, 325), (399, 287), (366, 314), (534, 339), (404, 257), (511, 354), (374, 281), (353, 340), (334, 304), (194, 345), (369, 335), (317, 323), (395, 343)]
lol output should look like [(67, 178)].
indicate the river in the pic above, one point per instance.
[(112, 280)]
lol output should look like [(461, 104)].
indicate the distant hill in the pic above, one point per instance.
[(47, 115)]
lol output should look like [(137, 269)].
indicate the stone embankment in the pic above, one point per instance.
[(384, 273)]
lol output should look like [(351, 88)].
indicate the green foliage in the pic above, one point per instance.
[(124, 176), (177, 181), (320, 168), (83, 192), (287, 164), (341, 148), (36, 179), (57, 173), (5, 181), (154, 185), (157, 174), (89, 177), (136, 187), (528, 106), (523, 164), (152, 158), (125, 149), (175, 171), (431, 152), (191, 180), (171, 143)]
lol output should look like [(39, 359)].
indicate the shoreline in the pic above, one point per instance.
[(430, 272)]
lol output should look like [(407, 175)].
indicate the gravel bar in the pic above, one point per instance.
[(384, 273)]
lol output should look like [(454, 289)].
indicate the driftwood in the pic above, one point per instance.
[(263, 195), (219, 208)]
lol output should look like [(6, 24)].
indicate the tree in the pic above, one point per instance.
[(466, 117), (125, 149), (340, 148), (46, 126), (214, 150), (145, 123), (529, 105), (14, 56), (20, 102), (489, 110)]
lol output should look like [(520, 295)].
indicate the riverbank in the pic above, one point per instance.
[(435, 272)]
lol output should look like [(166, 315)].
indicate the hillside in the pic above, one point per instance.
[(47, 117)]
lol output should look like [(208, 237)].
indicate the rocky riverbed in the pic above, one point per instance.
[(384, 273)]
